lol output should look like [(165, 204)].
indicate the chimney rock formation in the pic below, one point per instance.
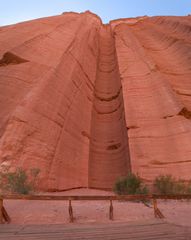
[(86, 103)]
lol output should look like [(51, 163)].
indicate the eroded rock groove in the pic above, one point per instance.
[(107, 162), (79, 100)]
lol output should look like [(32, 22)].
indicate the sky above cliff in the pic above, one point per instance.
[(13, 11)]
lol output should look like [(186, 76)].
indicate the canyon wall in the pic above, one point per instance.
[(86, 103), (109, 153), (154, 57)]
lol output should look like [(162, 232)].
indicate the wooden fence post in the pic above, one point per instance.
[(111, 210), (6, 215), (155, 207), (71, 211), (1, 210), (157, 212)]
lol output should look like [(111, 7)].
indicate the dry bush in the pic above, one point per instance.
[(18, 181)]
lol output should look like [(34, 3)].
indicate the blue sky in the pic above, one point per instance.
[(12, 11)]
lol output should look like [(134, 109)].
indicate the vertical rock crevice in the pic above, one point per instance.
[(109, 152), (63, 104)]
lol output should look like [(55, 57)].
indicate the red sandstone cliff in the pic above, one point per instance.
[(87, 102)]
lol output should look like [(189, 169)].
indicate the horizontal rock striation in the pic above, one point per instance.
[(86, 103)]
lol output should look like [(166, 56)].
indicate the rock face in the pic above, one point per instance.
[(109, 154), (86, 103)]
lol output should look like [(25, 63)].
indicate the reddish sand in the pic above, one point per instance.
[(56, 212)]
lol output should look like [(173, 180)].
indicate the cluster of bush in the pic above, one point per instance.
[(164, 184), (22, 183), (19, 182)]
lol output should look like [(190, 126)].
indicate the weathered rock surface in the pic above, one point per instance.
[(86, 102)]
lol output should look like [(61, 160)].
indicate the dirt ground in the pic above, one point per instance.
[(56, 212)]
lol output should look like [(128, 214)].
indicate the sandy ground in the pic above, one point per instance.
[(56, 212)]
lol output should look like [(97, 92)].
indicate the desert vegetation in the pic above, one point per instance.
[(167, 184), (18, 181), (163, 184), (131, 184)]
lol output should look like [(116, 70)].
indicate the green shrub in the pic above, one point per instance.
[(131, 184), (34, 172), (188, 190), (180, 187), (18, 181), (166, 184)]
